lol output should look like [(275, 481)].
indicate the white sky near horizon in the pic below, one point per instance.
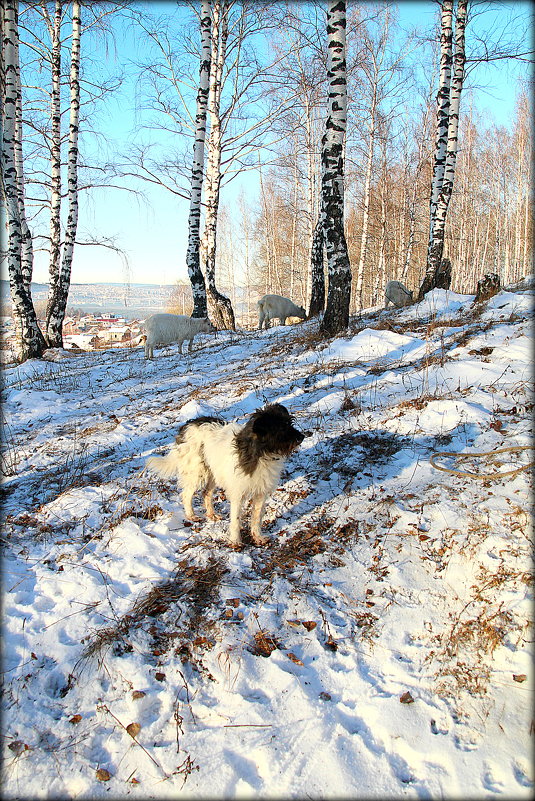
[(153, 234)]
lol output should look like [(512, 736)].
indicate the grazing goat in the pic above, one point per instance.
[(164, 329), (398, 294), (271, 306), (244, 460)]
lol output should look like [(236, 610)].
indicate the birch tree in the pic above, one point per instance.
[(60, 269), (384, 79), (220, 307), (336, 315), (452, 57), (193, 261), (30, 340)]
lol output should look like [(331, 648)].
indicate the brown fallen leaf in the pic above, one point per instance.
[(103, 775), (18, 747), (159, 676), (406, 698), (309, 624), (133, 729), (138, 694), (294, 658), (75, 719), (519, 677)]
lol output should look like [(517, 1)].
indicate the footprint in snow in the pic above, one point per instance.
[(493, 778), (522, 772)]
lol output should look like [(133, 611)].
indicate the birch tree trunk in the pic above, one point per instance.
[(54, 28), (30, 339), (27, 239), (317, 272), (61, 279), (367, 199), (449, 99), (220, 306), (336, 315), (193, 261)]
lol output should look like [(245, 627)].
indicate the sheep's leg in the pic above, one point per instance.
[(190, 344), (208, 492), (257, 512)]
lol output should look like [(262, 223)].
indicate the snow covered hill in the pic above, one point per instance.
[(377, 647)]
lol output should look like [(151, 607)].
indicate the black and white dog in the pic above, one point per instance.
[(244, 460)]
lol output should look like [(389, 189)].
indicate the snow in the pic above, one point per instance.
[(370, 650)]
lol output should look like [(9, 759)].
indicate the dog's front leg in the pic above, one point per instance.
[(257, 512), (234, 535)]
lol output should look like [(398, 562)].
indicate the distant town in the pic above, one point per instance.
[(98, 315)]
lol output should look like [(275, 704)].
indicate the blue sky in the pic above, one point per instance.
[(153, 235)]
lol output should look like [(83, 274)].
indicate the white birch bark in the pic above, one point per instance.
[(367, 199), (220, 306), (27, 239), (449, 99), (336, 315), (30, 340), (198, 286), (60, 288)]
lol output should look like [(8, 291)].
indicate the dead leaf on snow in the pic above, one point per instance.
[(103, 775), (294, 658), (406, 698), (133, 729), (18, 747)]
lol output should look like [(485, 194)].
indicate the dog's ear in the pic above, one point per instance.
[(262, 424)]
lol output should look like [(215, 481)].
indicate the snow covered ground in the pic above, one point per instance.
[(378, 647)]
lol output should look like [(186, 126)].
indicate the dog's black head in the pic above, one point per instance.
[(268, 432)]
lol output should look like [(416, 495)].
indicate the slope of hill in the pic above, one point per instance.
[(378, 646)]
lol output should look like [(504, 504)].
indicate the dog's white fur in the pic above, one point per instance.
[(206, 457)]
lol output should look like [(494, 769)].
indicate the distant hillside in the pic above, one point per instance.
[(130, 300)]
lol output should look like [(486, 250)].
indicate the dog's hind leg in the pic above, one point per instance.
[(187, 502), (257, 512), (208, 493)]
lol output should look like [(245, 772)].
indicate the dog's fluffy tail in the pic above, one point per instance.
[(164, 466)]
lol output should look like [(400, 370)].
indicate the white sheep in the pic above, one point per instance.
[(164, 329), (271, 306), (398, 294)]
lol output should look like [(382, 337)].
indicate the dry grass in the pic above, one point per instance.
[(195, 588)]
